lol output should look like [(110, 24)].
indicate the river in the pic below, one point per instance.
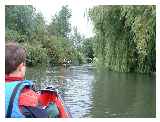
[(100, 94)]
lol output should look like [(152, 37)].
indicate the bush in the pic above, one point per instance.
[(35, 55), (12, 35)]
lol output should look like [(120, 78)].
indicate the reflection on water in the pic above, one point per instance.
[(100, 94), (123, 95)]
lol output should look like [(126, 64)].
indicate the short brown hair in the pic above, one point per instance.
[(14, 56)]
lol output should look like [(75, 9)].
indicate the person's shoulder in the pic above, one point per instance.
[(28, 97)]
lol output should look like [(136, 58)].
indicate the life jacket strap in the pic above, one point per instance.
[(10, 106)]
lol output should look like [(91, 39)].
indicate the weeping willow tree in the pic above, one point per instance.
[(125, 37)]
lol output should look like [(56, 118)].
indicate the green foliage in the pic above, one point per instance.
[(20, 19), (76, 38), (88, 49), (58, 50), (125, 37), (12, 35), (60, 25), (78, 57), (39, 32), (60, 47), (35, 55), (26, 26)]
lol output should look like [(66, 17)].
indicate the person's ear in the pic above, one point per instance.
[(21, 66)]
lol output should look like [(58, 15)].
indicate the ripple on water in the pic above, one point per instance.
[(120, 99), (77, 92)]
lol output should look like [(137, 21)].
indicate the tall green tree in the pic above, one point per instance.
[(39, 32), (88, 49), (60, 25), (125, 37), (20, 19), (27, 26), (76, 38)]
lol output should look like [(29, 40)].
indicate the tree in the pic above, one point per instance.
[(39, 32), (20, 19), (88, 49), (27, 26), (125, 37), (76, 38), (60, 25)]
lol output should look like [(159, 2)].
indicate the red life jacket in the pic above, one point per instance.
[(28, 97)]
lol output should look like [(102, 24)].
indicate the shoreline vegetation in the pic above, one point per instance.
[(124, 40)]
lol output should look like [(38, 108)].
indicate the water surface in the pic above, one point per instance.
[(99, 93)]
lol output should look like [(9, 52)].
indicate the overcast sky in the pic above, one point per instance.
[(50, 7)]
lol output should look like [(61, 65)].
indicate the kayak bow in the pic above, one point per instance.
[(51, 95)]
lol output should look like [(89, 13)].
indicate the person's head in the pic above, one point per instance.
[(15, 58)]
